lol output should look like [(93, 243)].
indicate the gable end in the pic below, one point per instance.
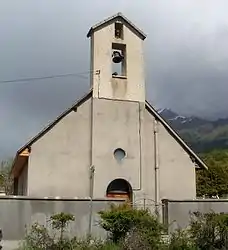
[(27, 146), (112, 19)]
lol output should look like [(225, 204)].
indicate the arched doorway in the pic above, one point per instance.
[(119, 188)]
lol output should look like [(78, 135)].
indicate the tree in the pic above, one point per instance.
[(60, 222), (214, 181), (5, 178)]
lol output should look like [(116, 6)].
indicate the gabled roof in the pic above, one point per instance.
[(51, 125), (111, 19), (194, 156), (174, 134)]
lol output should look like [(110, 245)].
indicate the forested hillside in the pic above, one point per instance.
[(201, 134), (215, 180)]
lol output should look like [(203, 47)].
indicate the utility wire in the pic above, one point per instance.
[(46, 77)]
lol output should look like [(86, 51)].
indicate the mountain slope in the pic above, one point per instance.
[(201, 134)]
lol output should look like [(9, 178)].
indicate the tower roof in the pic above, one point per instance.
[(118, 16)]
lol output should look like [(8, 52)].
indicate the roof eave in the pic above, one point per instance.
[(18, 164), (27, 146), (90, 32), (52, 124), (98, 25), (198, 161)]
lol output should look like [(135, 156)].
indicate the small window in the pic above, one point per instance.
[(119, 154), (118, 30)]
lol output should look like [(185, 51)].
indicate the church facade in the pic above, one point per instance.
[(111, 142)]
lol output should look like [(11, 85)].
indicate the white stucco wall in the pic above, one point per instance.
[(115, 125), (177, 171), (148, 173), (60, 160)]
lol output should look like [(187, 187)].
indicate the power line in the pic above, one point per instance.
[(46, 77)]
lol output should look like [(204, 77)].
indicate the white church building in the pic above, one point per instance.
[(111, 142)]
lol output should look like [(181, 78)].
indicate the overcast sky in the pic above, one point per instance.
[(186, 56)]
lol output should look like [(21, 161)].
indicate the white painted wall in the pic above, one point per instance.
[(60, 160), (177, 171), (115, 125)]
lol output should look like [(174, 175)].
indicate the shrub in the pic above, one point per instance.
[(210, 230), (135, 241), (122, 219), (181, 240), (39, 238), (132, 229), (95, 244)]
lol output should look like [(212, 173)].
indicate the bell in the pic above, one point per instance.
[(117, 57)]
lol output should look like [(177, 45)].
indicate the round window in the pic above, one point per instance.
[(119, 154)]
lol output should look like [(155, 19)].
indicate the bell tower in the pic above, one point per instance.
[(117, 60)]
